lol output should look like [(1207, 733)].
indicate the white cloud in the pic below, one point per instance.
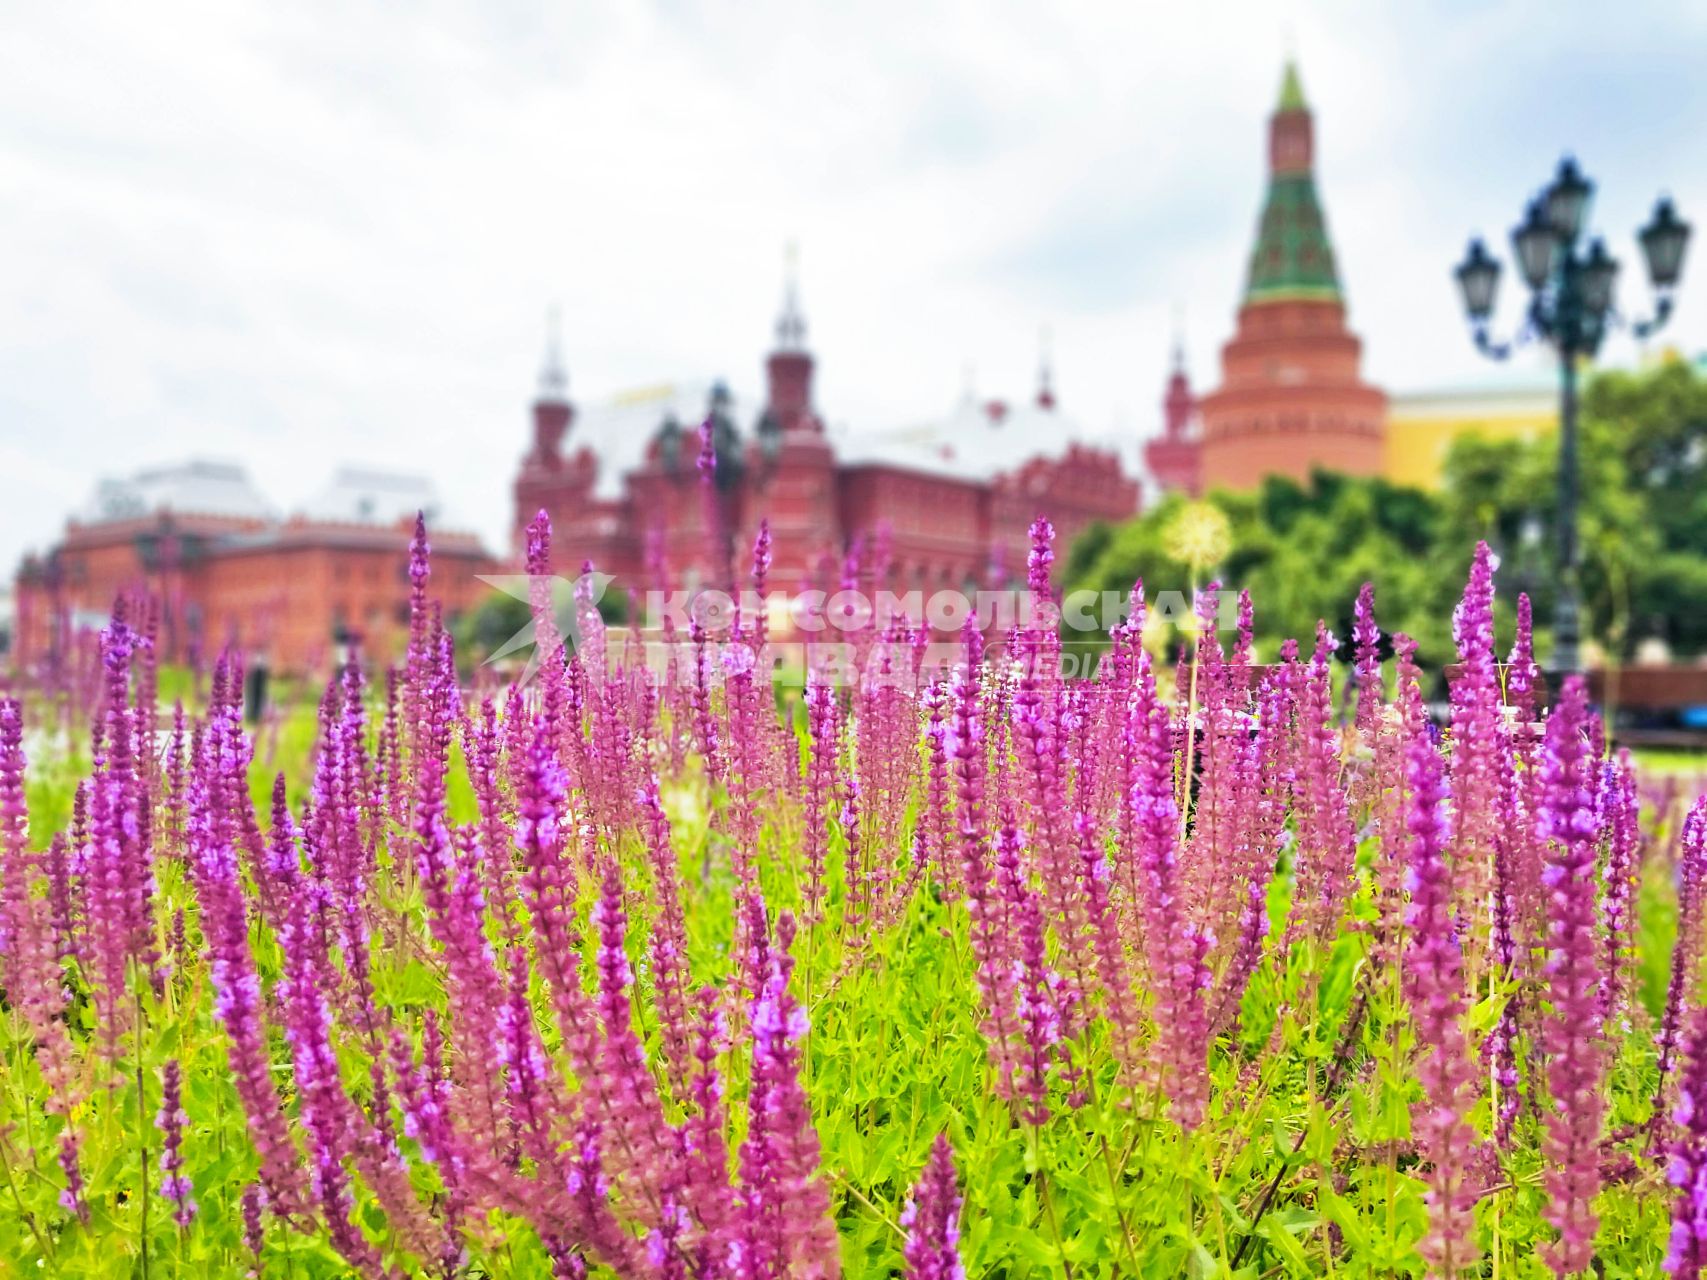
[(309, 235)]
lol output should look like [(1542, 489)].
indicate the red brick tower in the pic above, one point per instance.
[(1291, 398), (791, 469), (1175, 457), (552, 412), (560, 485)]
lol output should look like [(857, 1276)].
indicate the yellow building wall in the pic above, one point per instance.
[(1417, 444)]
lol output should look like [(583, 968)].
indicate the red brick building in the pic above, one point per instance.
[(1291, 397), (943, 504), (1175, 458), (226, 569)]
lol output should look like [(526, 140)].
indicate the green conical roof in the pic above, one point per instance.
[(1292, 258)]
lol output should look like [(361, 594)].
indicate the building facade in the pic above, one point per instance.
[(1291, 397), (947, 503), (1421, 427), (224, 569)]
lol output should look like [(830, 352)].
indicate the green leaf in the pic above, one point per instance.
[(1286, 1245)]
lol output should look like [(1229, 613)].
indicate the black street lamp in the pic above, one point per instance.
[(1571, 307)]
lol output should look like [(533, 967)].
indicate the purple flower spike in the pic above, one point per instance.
[(931, 1219), (539, 545), (1366, 635), (1040, 558), (29, 960), (1687, 1256), (1477, 740), (171, 1120), (238, 999), (254, 1202), (1521, 670), (1176, 948), (71, 1199), (1571, 1031), (1434, 987), (785, 1226), (762, 557), (1618, 806), (1686, 951)]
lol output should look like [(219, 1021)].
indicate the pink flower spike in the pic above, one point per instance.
[(931, 1219)]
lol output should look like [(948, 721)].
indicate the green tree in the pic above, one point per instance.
[(1655, 423), (1304, 549), (1643, 514)]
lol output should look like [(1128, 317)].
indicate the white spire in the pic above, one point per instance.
[(1045, 369), (791, 324), (553, 380)]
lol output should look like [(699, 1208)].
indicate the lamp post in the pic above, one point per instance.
[(1570, 307)]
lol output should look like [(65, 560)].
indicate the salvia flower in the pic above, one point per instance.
[(1434, 986), (170, 1120), (1175, 948), (823, 744), (254, 1203), (29, 963), (1476, 735), (1618, 806), (1038, 562), (706, 1154), (419, 659), (238, 1000), (1366, 635), (669, 940), (1571, 1031), (785, 1226), (629, 1096), (329, 1118), (1327, 844), (455, 981), (1687, 1256), (1521, 669), (1686, 951), (1102, 923), (931, 1219), (993, 935), (1037, 1010), (71, 1199), (761, 568)]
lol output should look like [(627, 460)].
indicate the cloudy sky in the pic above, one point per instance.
[(307, 235)]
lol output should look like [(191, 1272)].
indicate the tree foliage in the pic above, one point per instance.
[(1304, 549)]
